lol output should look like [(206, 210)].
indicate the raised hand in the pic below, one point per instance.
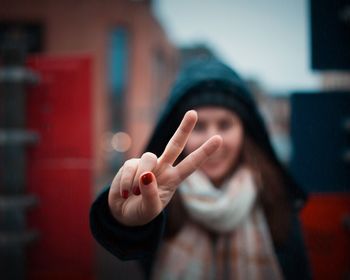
[(144, 186)]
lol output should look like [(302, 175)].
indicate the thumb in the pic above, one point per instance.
[(151, 203)]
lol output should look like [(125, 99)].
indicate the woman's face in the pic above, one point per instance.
[(212, 121)]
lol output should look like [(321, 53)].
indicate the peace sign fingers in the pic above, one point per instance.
[(177, 143), (192, 162), (146, 201)]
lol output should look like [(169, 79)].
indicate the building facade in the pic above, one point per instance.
[(133, 61), (130, 64)]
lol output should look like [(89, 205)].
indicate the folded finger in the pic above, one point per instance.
[(127, 177), (151, 204), (147, 163), (114, 190)]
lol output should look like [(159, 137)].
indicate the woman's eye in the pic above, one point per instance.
[(225, 124), (199, 127)]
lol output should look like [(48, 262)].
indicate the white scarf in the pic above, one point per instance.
[(221, 210), (243, 248)]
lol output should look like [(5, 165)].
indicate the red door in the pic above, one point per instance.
[(326, 221), (60, 168)]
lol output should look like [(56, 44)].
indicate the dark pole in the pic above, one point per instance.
[(14, 201)]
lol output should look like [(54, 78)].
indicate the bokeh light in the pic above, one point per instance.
[(121, 142)]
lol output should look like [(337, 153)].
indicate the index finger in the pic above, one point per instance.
[(177, 143)]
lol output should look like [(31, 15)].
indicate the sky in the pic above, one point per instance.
[(265, 40)]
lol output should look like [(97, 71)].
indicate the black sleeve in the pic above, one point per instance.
[(293, 255), (126, 243)]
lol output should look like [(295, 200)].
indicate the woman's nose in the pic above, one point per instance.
[(212, 130)]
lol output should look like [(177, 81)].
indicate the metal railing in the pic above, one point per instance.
[(14, 140)]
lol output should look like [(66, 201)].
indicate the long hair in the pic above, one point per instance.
[(272, 189), (272, 194)]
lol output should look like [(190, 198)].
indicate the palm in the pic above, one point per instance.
[(145, 204)]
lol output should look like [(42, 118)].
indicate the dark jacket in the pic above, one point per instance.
[(141, 242)]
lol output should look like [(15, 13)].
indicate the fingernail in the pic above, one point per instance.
[(125, 194), (136, 190), (146, 178)]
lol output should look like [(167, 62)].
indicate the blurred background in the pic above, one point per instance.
[(82, 83)]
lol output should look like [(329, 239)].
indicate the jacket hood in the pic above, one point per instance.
[(223, 78)]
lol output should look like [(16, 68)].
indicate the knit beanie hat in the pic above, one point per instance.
[(215, 93), (212, 83)]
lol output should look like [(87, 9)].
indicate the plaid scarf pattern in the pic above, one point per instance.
[(241, 247)]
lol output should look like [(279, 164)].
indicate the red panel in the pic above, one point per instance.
[(327, 237), (60, 168), (60, 108)]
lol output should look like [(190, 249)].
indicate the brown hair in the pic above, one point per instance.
[(272, 193), (272, 189)]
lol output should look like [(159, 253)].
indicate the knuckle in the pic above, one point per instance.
[(128, 169), (116, 179), (194, 159), (130, 162), (175, 143), (149, 155), (126, 181)]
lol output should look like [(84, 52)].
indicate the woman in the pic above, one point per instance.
[(234, 214)]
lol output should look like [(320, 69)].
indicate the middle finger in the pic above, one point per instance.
[(177, 143)]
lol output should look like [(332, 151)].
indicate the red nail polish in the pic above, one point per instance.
[(136, 190), (146, 178), (125, 194)]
